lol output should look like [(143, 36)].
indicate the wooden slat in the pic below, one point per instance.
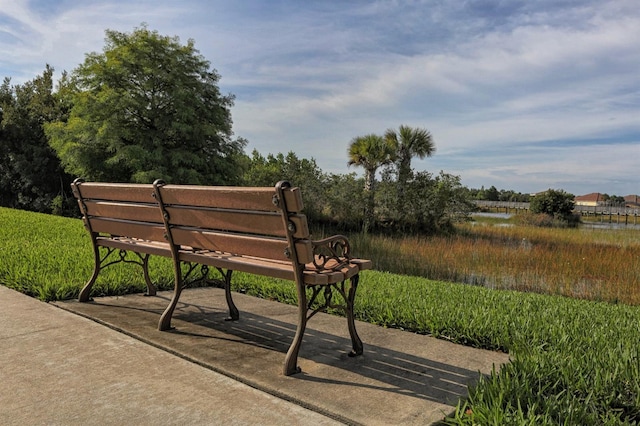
[(304, 250), (293, 197), (125, 211), (266, 223), (241, 198), (313, 277), (142, 230), (275, 269), (229, 197), (139, 193), (272, 248), (363, 264), (140, 246)]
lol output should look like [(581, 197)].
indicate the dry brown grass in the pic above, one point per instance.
[(581, 263)]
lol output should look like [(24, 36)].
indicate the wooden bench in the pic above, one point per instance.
[(256, 230)]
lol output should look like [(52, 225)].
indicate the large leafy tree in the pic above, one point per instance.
[(370, 152), (408, 142), (31, 177), (148, 107)]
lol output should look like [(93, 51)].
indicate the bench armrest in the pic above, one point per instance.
[(332, 253)]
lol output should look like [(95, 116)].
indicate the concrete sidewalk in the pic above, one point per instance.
[(108, 364), (57, 368)]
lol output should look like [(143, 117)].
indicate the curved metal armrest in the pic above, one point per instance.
[(331, 253)]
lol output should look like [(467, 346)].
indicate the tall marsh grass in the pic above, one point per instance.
[(592, 264)]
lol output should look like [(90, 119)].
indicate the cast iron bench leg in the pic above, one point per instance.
[(97, 266), (355, 339), (234, 315), (151, 288), (165, 319), (291, 360)]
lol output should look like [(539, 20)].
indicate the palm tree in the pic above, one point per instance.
[(408, 142), (370, 152)]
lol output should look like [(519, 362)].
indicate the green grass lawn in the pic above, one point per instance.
[(574, 362)]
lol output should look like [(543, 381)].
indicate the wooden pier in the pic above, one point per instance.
[(610, 214)]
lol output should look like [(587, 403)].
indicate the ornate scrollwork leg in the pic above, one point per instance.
[(348, 307), (184, 280), (101, 263), (234, 314), (332, 254), (291, 360)]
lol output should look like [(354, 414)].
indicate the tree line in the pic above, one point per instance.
[(149, 107), (493, 194)]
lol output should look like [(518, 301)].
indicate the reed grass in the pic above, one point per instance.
[(573, 362), (592, 264)]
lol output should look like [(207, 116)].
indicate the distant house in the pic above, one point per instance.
[(594, 199), (632, 201)]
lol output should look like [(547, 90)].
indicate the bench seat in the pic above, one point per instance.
[(253, 265)]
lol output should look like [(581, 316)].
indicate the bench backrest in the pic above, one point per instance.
[(128, 210), (263, 222)]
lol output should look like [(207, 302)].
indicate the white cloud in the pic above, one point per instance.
[(61, 37), (605, 167), (493, 81)]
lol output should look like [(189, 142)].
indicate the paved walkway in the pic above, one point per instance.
[(105, 363), (57, 368)]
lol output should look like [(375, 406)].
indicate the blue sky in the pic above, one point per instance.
[(522, 95)]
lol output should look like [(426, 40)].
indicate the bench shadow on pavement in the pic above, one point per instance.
[(402, 378), (381, 368)]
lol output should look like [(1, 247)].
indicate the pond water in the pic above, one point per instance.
[(587, 225), (607, 225), (496, 215)]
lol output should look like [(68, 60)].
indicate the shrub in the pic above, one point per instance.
[(558, 205)]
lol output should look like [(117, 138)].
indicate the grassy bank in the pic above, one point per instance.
[(573, 361)]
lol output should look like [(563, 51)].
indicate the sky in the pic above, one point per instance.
[(520, 95)]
